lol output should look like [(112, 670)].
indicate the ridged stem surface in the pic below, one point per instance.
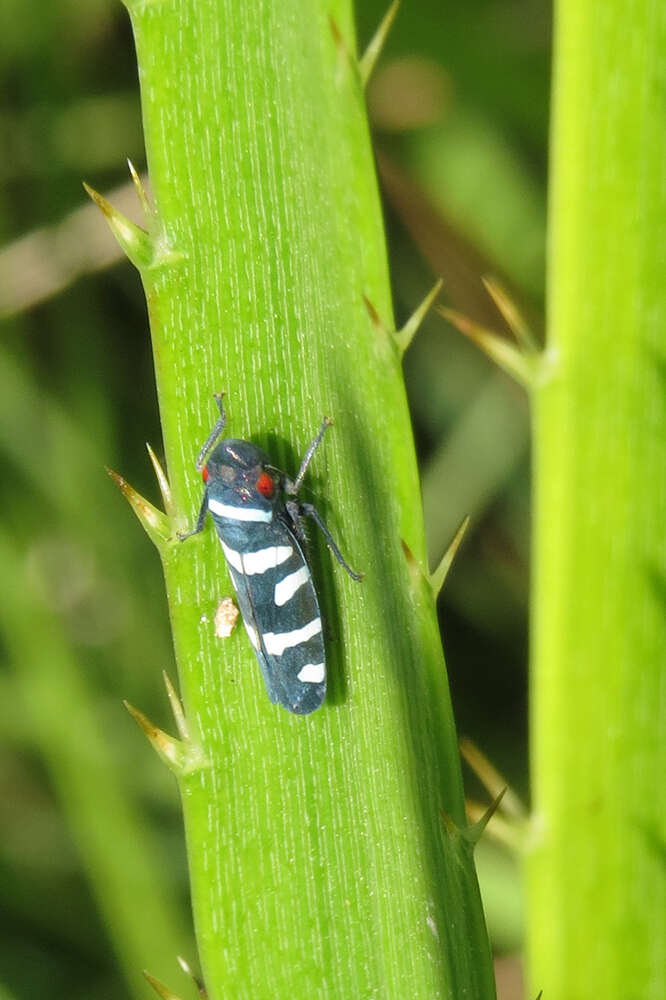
[(597, 889), (319, 863)]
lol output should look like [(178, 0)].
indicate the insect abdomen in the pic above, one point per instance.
[(280, 610)]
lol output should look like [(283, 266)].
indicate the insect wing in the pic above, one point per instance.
[(281, 614), (241, 586)]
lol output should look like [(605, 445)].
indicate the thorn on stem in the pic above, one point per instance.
[(134, 241), (439, 576), (522, 367), (162, 991), (406, 334), (183, 757), (162, 481), (473, 833), (368, 60), (198, 982), (511, 314), (176, 707), (148, 210), (491, 779), (156, 524)]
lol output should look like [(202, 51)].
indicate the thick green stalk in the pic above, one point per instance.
[(597, 902), (320, 866)]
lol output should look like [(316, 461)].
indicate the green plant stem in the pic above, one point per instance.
[(597, 902), (318, 859), (116, 847)]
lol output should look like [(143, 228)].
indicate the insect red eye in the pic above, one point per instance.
[(204, 473), (265, 485)]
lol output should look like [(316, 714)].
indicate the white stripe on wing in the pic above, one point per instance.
[(276, 642)]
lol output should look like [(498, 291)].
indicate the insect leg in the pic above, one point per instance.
[(182, 535), (308, 510), (214, 434), (296, 517), (293, 487)]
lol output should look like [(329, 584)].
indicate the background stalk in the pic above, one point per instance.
[(596, 924)]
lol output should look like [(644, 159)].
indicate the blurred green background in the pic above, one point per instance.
[(92, 860)]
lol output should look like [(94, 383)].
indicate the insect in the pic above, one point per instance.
[(259, 522)]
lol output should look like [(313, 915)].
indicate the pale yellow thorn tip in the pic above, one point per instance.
[(523, 368), (162, 991), (176, 707), (134, 241), (511, 314), (162, 481), (439, 576), (185, 966), (404, 336), (147, 208), (156, 524), (368, 60)]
